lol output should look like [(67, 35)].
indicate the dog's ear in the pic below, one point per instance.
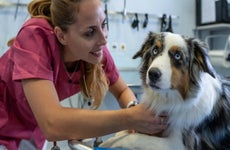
[(148, 42), (200, 59)]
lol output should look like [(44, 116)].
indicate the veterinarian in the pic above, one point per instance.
[(57, 53)]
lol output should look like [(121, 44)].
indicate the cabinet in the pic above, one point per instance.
[(217, 36), (202, 32)]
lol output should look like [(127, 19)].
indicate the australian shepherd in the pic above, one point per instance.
[(178, 78)]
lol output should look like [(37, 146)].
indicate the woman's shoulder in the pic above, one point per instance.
[(38, 33), (39, 23), (38, 28)]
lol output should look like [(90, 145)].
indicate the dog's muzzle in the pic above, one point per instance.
[(154, 75)]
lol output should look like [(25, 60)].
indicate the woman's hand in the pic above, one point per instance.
[(146, 122)]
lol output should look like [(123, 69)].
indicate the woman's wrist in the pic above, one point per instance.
[(132, 103)]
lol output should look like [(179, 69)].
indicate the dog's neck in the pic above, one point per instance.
[(185, 113)]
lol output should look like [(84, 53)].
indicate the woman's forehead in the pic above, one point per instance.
[(90, 12)]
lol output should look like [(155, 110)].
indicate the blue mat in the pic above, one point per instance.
[(101, 148)]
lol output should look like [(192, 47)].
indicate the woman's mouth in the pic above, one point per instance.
[(97, 53)]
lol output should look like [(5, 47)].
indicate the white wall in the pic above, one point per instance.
[(120, 30), (10, 22), (185, 9)]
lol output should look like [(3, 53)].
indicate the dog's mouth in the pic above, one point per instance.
[(154, 86)]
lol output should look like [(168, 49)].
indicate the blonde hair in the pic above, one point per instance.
[(97, 83), (61, 13), (10, 42), (57, 12)]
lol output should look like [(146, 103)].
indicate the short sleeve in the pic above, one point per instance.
[(31, 54), (110, 68)]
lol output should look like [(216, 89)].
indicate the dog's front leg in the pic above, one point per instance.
[(137, 141)]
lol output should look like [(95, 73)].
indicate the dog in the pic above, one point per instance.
[(178, 78)]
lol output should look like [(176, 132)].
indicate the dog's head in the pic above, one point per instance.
[(173, 62)]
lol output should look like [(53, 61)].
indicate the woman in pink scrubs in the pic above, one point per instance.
[(59, 52)]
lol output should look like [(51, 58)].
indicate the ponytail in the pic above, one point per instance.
[(40, 8)]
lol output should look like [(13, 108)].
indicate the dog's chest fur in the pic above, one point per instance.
[(184, 113)]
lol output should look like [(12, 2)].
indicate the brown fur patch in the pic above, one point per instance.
[(159, 44), (180, 75), (150, 62), (174, 48), (180, 80)]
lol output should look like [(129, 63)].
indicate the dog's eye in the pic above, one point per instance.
[(177, 56), (155, 51)]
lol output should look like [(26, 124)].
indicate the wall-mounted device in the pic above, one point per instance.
[(212, 11)]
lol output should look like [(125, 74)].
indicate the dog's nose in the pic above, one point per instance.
[(154, 74)]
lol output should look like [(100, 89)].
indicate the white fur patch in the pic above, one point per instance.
[(187, 112)]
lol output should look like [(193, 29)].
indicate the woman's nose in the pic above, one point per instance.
[(102, 38)]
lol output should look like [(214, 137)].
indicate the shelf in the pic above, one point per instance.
[(202, 32), (124, 13), (213, 26)]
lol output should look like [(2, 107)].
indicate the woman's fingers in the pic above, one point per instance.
[(146, 121), (162, 120)]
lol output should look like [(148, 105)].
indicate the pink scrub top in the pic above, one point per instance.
[(35, 54)]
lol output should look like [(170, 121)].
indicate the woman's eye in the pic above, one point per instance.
[(90, 33), (177, 56)]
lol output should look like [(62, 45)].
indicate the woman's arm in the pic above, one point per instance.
[(58, 123), (61, 123), (122, 93)]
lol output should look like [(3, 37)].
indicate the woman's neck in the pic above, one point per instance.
[(72, 66)]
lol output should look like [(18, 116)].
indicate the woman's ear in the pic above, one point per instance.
[(60, 35)]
